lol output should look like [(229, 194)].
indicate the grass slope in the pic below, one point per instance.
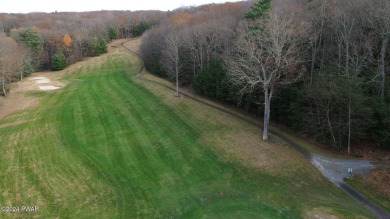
[(370, 189), (106, 147)]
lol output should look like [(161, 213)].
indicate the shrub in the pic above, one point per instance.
[(99, 46), (31, 39), (112, 33), (58, 61)]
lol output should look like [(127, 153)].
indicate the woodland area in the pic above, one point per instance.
[(43, 41), (323, 65), (319, 67)]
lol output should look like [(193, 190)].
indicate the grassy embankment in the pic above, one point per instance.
[(374, 186), (109, 146)]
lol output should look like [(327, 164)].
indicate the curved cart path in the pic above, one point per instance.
[(333, 169)]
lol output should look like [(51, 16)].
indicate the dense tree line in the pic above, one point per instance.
[(189, 40), (335, 51), (40, 41), (14, 63)]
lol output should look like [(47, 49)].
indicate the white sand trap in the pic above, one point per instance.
[(49, 87), (42, 81), (38, 78)]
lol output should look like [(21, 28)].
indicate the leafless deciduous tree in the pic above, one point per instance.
[(205, 40), (379, 21), (171, 57), (268, 58), (354, 51), (12, 58)]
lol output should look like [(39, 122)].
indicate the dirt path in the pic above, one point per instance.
[(333, 169)]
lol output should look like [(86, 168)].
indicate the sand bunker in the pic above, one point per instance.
[(38, 78), (49, 87), (41, 80), (44, 80)]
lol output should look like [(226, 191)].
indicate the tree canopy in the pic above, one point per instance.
[(342, 97), (259, 9), (31, 39)]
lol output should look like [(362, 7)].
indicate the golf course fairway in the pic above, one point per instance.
[(105, 146)]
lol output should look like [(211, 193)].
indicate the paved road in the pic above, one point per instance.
[(337, 169), (333, 169)]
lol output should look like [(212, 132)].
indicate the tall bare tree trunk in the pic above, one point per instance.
[(329, 123), (313, 57), (349, 93), (349, 124), (171, 56), (265, 123), (322, 57), (267, 112), (381, 67), (177, 76), (4, 91), (201, 58)]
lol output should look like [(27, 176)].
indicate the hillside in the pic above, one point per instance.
[(104, 145)]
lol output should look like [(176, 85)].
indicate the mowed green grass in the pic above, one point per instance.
[(106, 147)]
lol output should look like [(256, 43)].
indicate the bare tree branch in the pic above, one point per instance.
[(268, 58)]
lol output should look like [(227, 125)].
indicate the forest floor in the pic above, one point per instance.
[(107, 144)]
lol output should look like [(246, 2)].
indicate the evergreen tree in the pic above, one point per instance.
[(27, 68), (259, 9), (99, 46), (31, 39), (112, 33), (212, 81), (58, 61), (102, 45), (139, 29)]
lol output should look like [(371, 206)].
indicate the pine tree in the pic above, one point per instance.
[(58, 61), (99, 46), (259, 9), (139, 29), (112, 33), (31, 39), (102, 44)]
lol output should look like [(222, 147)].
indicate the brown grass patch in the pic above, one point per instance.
[(134, 45), (248, 148), (379, 179), (323, 213), (16, 102), (319, 214), (232, 139)]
